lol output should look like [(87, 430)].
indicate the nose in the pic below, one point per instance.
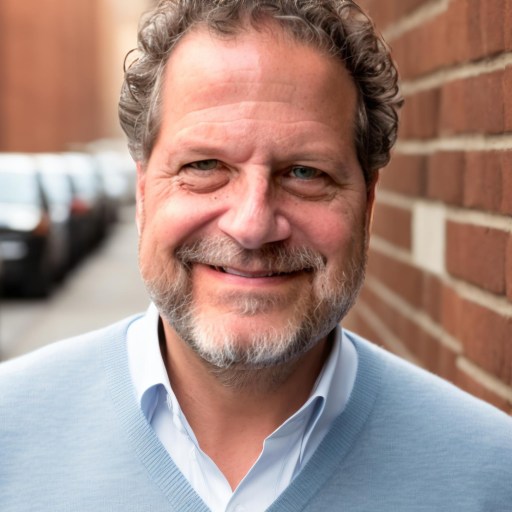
[(253, 218)]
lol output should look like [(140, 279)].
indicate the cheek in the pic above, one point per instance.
[(330, 231), (333, 239), (180, 218)]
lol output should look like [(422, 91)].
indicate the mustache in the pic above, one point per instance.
[(274, 257)]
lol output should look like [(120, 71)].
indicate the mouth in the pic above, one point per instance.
[(256, 274)]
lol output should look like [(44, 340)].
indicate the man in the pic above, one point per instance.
[(258, 128)]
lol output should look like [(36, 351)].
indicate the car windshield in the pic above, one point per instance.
[(57, 188), (18, 187)]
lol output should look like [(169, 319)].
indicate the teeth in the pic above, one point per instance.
[(235, 272)]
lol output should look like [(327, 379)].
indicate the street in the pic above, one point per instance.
[(104, 288)]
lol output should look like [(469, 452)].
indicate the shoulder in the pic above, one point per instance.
[(421, 405), (406, 383), (420, 428)]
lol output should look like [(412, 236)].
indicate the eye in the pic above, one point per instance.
[(203, 176), (304, 173), (307, 182), (204, 165)]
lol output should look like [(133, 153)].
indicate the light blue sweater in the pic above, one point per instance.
[(73, 439)]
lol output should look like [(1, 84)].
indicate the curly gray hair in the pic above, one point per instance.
[(338, 27)]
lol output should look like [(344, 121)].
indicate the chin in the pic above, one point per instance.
[(257, 341)]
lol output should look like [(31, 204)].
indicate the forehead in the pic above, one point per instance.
[(258, 93), (255, 65)]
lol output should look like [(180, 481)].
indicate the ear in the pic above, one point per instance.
[(370, 201), (139, 196)]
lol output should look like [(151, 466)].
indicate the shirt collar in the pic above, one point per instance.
[(147, 367), (328, 398)]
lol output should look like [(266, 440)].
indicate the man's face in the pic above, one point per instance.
[(253, 210)]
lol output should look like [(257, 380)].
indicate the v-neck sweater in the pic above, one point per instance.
[(72, 438)]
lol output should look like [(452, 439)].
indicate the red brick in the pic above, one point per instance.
[(424, 347), (434, 356), (492, 24), (473, 105), (420, 115), (506, 175), (467, 30), (401, 326), (446, 363), (432, 296), (426, 48), (507, 15), (405, 174), (457, 19), (385, 13), (467, 383), (380, 308), (484, 103), (486, 337), (483, 181), (451, 311), (506, 88), (402, 278), (400, 55), (475, 42), (434, 39), (410, 54), (477, 255), (454, 114), (393, 224), (420, 344), (508, 264), (445, 177), (356, 322)]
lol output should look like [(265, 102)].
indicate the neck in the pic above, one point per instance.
[(232, 411)]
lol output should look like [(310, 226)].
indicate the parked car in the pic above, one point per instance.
[(27, 242), (1, 273), (90, 194), (118, 173), (58, 188)]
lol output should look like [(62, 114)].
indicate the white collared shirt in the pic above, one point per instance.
[(284, 452)]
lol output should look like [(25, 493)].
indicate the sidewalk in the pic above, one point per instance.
[(103, 289)]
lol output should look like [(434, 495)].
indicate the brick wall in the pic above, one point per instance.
[(439, 285)]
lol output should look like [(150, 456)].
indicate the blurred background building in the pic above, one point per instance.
[(62, 70)]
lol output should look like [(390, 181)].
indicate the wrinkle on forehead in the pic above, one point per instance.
[(204, 67), (292, 139)]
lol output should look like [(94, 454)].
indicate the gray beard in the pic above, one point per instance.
[(271, 349)]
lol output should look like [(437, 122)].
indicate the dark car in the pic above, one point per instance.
[(26, 236), (65, 214), (1, 273), (90, 194), (73, 201)]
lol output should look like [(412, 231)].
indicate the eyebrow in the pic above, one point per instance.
[(216, 147), (191, 151)]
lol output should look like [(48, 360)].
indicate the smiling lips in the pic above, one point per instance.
[(253, 274)]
